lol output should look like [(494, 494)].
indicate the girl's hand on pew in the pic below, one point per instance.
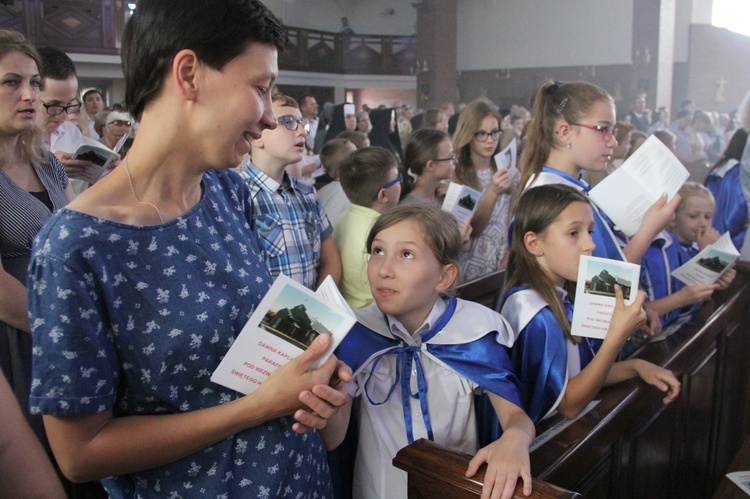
[(661, 378)]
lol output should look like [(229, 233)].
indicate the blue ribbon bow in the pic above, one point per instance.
[(406, 356)]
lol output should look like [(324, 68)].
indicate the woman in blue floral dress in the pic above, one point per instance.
[(140, 286)]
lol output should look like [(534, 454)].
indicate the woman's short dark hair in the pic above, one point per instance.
[(216, 31)]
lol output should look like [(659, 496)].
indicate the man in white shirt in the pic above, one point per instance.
[(308, 106), (94, 103), (59, 97)]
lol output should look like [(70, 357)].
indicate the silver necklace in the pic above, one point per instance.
[(132, 191)]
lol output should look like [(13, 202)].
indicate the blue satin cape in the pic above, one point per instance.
[(664, 255), (466, 338), (540, 354), (731, 207), (608, 241)]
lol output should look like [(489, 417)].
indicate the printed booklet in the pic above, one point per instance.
[(595, 293), (508, 157), (99, 155), (707, 266), (628, 192), (461, 201), (741, 479), (286, 322)]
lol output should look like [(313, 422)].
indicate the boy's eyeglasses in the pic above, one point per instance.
[(292, 123), (482, 136), (452, 159), (395, 181), (55, 109), (606, 131)]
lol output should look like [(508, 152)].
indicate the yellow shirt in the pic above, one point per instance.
[(350, 236)]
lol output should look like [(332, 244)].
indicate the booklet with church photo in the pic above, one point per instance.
[(99, 155), (595, 293), (707, 266), (628, 192), (461, 201), (284, 324)]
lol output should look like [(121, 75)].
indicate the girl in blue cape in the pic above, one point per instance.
[(688, 233), (419, 357), (572, 131), (557, 369)]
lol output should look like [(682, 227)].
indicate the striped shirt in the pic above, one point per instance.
[(22, 215), (292, 224)]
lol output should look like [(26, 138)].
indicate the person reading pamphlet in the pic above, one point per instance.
[(680, 268), (573, 131), (560, 369), (477, 142), (155, 270), (430, 162)]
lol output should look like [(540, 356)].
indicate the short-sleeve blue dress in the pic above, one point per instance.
[(136, 318)]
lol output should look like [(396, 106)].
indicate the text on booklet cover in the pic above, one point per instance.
[(595, 293), (288, 319)]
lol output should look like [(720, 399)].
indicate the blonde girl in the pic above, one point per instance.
[(689, 232)]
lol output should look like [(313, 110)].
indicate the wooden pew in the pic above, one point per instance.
[(630, 444), (435, 471), (487, 290)]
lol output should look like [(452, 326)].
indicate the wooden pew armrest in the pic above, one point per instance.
[(435, 471)]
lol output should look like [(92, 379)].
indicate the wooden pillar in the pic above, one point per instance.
[(436, 52)]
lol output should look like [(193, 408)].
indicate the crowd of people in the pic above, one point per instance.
[(121, 293)]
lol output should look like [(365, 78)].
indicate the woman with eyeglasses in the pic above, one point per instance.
[(33, 184), (477, 140), (572, 131)]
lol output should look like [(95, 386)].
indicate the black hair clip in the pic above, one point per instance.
[(553, 88)]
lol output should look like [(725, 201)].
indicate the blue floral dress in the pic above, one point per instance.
[(136, 318)]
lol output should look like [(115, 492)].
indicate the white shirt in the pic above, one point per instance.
[(381, 428), (310, 139), (67, 138), (90, 124)]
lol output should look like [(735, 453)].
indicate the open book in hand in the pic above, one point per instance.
[(99, 155), (595, 293), (285, 323), (707, 266), (461, 201), (627, 193)]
